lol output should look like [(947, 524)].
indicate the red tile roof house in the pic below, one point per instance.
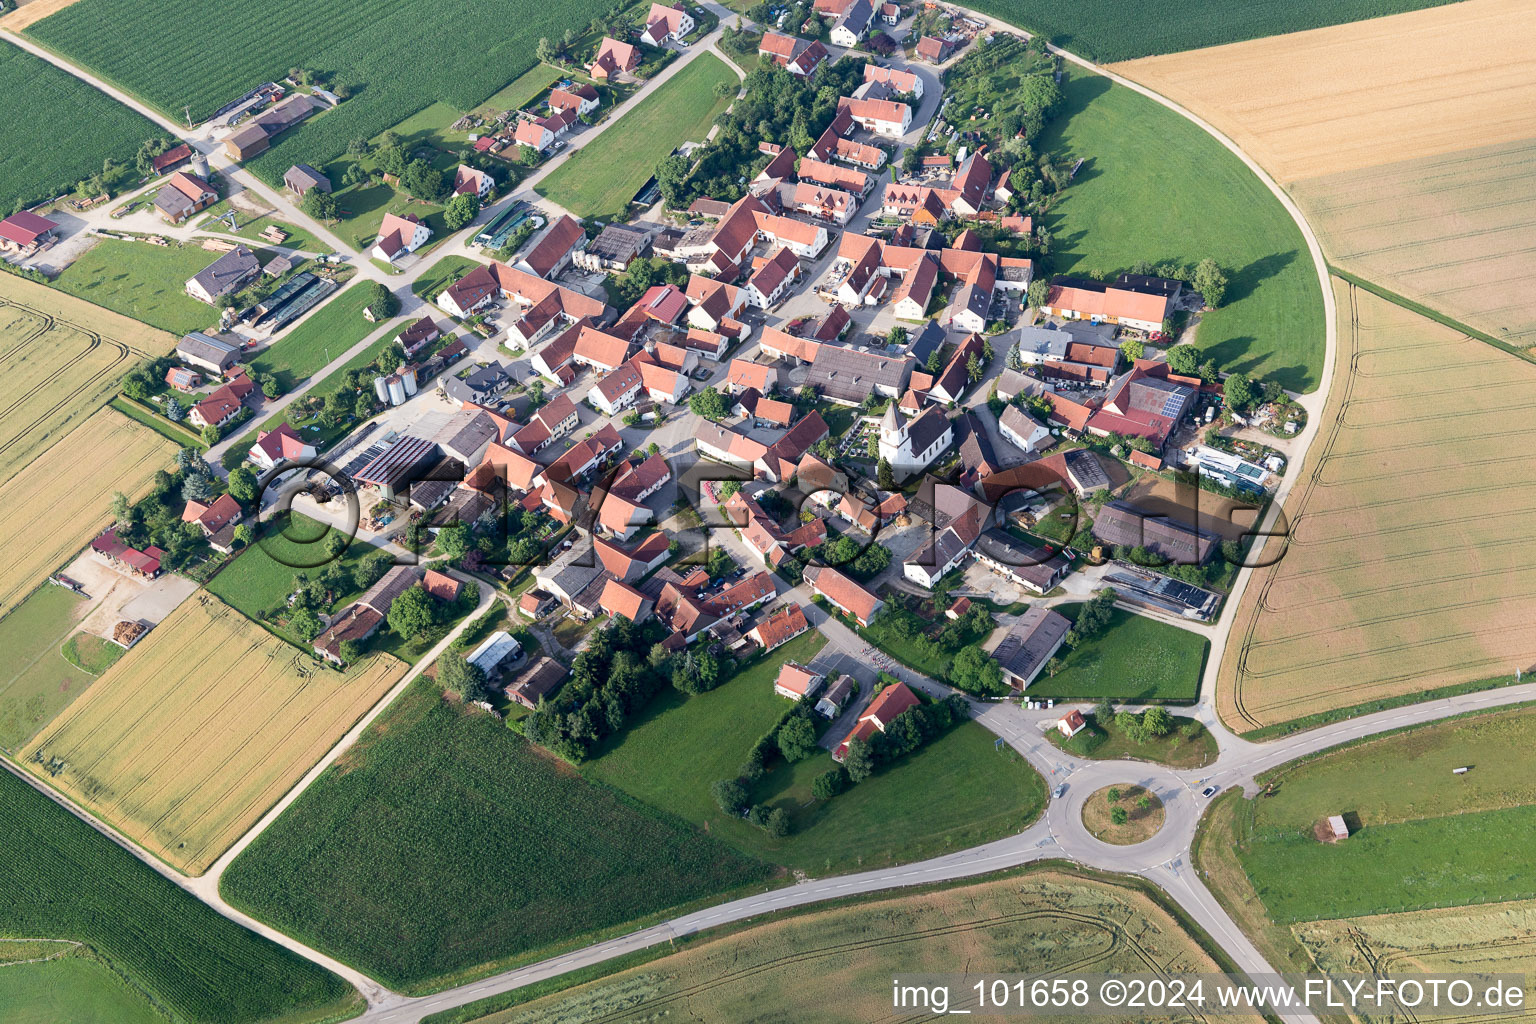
[(212, 518), (796, 681), (779, 628), (223, 405), (182, 195), (581, 99), (537, 135), (612, 58), (183, 379), (743, 374), (883, 117), (141, 563), (599, 350), (440, 585), (933, 50), (469, 180), (770, 281), (664, 23), (552, 253), (279, 445), (24, 232), (882, 711), (844, 594), (399, 236), (623, 599), (418, 336), (1071, 724), (172, 158)]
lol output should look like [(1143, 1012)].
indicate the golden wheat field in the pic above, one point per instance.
[(1411, 562), (836, 965), (1494, 938), (1372, 92), (56, 503), (85, 316), (1453, 231), (200, 728)]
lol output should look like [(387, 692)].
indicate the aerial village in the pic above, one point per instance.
[(840, 395)]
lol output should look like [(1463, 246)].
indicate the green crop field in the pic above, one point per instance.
[(59, 878), (68, 129), (602, 177), (1156, 187), (146, 282), (958, 791), (376, 50), (334, 328), (1135, 658), (70, 988), (444, 844), (1111, 30)]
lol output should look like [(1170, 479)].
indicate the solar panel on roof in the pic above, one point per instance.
[(1171, 404)]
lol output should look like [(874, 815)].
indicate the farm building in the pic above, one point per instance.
[(224, 275), (301, 178), (207, 353), (540, 681), (182, 195), (25, 232), (1029, 643)]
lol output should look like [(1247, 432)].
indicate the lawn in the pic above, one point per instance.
[(968, 792), (1100, 30), (62, 879), (1156, 187), (324, 335), (260, 578), (363, 208), (146, 282), (70, 988), (522, 91), (178, 433), (1109, 743), (250, 229), (601, 178), (38, 682), (440, 275), (444, 846), (1136, 658), (66, 131), (374, 50)]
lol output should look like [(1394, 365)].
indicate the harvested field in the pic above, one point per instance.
[(1414, 85), (835, 965), (56, 503), (55, 375), (85, 316), (1452, 231), (1228, 518), (1408, 567), (29, 11), (1496, 938), (183, 757)]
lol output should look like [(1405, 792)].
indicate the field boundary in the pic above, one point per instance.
[(141, 413), (1428, 313)]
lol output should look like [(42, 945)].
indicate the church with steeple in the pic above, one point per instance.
[(909, 447)]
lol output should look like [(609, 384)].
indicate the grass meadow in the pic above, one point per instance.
[(37, 681), (146, 282), (1134, 659), (375, 51), (1156, 187), (185, 742), (602, 177), (444, 845), (958, 791), (70, 987), (59, 878), (68, 128), (327, 334)]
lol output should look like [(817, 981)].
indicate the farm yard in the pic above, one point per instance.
[(1156, 187), (1252, 91), (1386, 590), (55, 504), (601, 178), (1100, 31), (1420, 835), (375, 51), (59, 878), (56, 374), (185, 742), (69, 129), (1450, 231), (444, 845), (325, 335), (143, 281), (834, 965), (1135, 659), (970, 793)]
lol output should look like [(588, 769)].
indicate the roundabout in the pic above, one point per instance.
[(1123, 815)]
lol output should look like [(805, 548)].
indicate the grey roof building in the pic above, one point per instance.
[(1037, 344), (224, 275), (1035, 568), (1029, 643), (302, 177), (207, 353), (1122, 525), (391, 585), (851, 375), (466, 434)]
